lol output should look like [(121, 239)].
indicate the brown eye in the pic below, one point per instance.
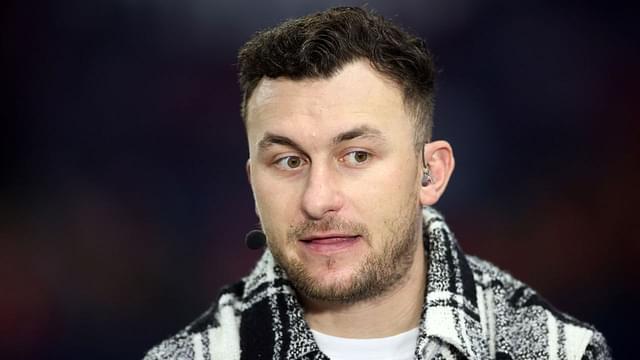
[(356, 158), (293, 162), (289, 163), (360, 156)]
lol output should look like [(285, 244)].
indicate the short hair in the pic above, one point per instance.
[(319, 45)]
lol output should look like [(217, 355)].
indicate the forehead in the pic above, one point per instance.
[(357, 95)]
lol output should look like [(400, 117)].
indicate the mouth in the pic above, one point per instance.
[(326, 244)]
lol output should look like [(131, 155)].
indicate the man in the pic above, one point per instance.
[(338, 110)]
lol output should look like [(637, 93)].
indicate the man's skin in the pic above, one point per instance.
[(344, 149)]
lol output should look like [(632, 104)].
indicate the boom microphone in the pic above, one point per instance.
[(255, 239)]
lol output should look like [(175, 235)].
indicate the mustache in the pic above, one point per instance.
[(331, 224)]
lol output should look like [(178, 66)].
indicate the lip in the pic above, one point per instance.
[(326, 244), (321, 236)]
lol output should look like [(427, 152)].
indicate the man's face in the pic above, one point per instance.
[(335, 176)]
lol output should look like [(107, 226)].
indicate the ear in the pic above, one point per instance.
[(438, 155)]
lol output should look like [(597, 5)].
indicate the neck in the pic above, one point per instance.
[(397, 310)]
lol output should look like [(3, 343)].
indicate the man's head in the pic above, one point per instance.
[(319, 45), (331, 106)]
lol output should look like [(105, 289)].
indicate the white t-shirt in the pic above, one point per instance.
[(397, 347)]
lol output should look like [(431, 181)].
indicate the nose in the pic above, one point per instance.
[(322, 194)]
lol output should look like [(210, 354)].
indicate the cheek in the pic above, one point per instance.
[(383, 190), (275, 202)]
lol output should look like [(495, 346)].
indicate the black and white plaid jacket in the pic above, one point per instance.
[(472, 310)]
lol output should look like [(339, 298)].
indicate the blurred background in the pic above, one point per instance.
[(123, 196)]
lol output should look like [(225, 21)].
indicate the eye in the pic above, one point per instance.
[(289, 162), (357, 157)]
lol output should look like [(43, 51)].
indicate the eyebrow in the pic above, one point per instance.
[(363, 131), (270, 139)]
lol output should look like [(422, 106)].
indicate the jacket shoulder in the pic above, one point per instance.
[(178, 347), (523, 324), (222, 316)]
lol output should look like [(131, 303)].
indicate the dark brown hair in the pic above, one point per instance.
[(320, 44)]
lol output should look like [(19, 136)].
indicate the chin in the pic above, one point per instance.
[(337, 278), (319, 274), (332, 269)]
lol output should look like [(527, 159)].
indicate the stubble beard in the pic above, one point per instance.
[(376, 274)]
